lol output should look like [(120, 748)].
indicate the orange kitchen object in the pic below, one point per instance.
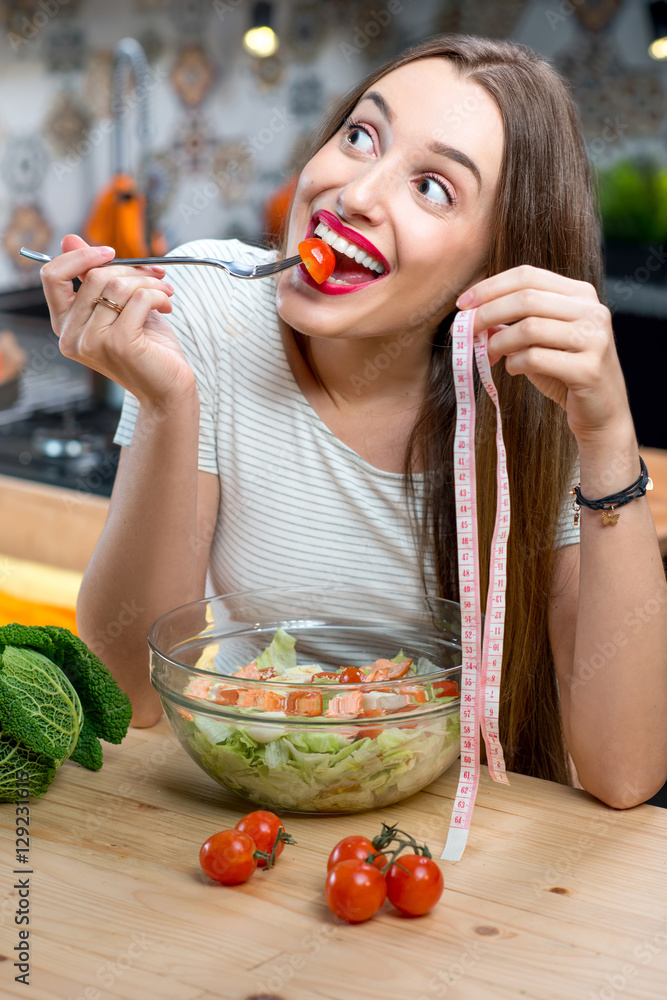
[(118, 219), (276, 209), (15, 609), (122, 216)]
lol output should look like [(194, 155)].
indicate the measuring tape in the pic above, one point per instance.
[(481, 660)]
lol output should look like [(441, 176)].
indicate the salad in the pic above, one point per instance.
[(330, 746)]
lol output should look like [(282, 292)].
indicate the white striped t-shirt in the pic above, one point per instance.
[(298, 507)]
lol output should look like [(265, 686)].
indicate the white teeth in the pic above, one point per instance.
[(350, 249)]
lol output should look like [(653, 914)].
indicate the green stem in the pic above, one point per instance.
[(284, 837), (390, 842)]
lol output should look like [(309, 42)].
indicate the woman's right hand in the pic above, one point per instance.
[(137, 348)]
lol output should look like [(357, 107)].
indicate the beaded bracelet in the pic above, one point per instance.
[(608, 504)]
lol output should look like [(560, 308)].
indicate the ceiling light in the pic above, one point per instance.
[(658, 47), (261, 40)]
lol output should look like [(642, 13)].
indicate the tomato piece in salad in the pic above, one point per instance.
[(304, 703), (350, 675), (446, 689), (370, 732)]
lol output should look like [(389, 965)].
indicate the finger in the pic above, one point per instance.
[(524, 276), (81, 342), (118, 284), (114, 284), (136, 311), (531, 303), (564, 366), (159, 297), (151, 269), (74, 242), (57, 276), (532, 332)]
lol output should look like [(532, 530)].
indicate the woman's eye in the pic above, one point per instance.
[(435, 190), (359, 138)]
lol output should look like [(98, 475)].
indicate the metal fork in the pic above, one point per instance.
[(233, 267)]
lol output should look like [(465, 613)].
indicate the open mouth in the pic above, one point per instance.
[(356, 265)]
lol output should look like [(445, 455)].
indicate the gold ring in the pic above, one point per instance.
[(109, 302)]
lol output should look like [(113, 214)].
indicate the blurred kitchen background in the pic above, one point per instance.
[(213, 141)]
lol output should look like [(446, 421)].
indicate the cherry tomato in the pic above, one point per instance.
[(264, 828), (417, 890), (445, 689), (354, 847), (355, 890), (228, 857), (349, 676), (318, 257)]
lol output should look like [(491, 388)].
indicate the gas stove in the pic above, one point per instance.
[(60, 428), (70, 447)]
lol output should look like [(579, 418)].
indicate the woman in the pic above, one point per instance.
[(457, 177)]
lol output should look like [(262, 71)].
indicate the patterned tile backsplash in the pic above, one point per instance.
[(225, 129)]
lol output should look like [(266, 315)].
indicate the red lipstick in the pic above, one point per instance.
[(332, 287), (349, 234)]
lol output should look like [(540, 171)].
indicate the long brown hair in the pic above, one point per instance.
[(545, 215)]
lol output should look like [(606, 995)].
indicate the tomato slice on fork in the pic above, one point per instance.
[(318, 257)]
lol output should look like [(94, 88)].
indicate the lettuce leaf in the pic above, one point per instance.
[(280, 654)]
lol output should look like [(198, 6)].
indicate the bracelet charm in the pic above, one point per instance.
[(609, 504)]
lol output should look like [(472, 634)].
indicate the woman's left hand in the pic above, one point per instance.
[(559, 335)]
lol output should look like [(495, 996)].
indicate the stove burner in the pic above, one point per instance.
[(72, 448), (67, 444)]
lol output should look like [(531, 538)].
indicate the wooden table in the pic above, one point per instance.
[(557, 896)]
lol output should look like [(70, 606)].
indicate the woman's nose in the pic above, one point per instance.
[(364, 197)]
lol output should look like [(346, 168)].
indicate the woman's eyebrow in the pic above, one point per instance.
[(382, 105), (440, 148)]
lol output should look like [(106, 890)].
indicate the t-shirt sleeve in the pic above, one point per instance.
[(568, 533), (202, 305)]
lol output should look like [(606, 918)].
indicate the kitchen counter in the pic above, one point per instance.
[(49, 524), (558, 897)]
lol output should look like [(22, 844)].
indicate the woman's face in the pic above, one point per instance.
[(410, 181)]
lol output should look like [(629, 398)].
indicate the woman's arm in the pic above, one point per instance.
[(608, 633), (153, 553), (154, 549), (608, 616)]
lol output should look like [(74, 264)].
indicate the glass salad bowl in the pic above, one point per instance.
[(313, 702)]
